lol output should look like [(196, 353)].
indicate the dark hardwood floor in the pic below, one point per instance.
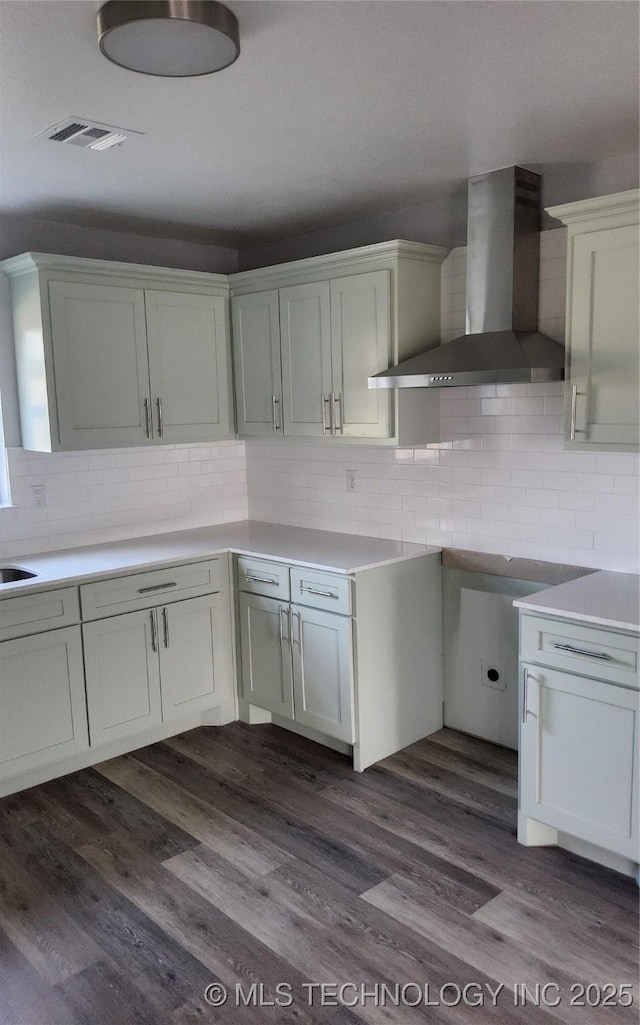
[(248, 857)]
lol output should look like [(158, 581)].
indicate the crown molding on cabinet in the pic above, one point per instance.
[(17, 266), (623, 204), (315, 268)]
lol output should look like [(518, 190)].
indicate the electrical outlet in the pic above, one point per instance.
[(39, 496), (352, 480)]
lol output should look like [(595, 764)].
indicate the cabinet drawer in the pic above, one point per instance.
[(33, 613), (321, 590), (157, 587), (260, 577), (587, 650)]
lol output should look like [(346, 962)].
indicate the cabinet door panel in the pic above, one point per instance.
[(123, 676), (266, 656), (258, 375), (188, 367), (360, 347), (579, 758), (43, 714), (604, 342), (322, 673), (305, 332), (195, 670), (100, 358)]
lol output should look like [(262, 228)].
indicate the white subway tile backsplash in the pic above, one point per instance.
[(106, 496)]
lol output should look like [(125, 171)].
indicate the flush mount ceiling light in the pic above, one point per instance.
[(171, 38)]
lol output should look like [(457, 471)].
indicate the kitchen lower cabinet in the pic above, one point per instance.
[(112, 354), (267, 671), (322, 655), (350, 658), (146, 668), (123, 675), (580, 758), (603, 322), (43, 716)]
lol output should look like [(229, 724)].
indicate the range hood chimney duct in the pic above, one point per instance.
[(502, 343)]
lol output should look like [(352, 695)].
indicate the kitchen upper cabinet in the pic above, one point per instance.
[(603, 324), (188, 342), (308, 335), (305, 325), (360, 346), (258, 375), (117, 354), (99, 343)]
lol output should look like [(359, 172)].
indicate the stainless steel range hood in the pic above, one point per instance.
[(502, 344)]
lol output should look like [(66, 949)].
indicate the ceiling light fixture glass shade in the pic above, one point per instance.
[(171, 38)]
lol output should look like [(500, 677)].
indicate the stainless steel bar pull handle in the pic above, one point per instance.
[(154, 631), (275, 402), (147, 417), (573, 429), (260, 580), (284, 611), (326, 427), (602, 655), (156, 587), (165, 624), (336, 402), (524, 695), (298, 641), (321, 594), (160, 427)]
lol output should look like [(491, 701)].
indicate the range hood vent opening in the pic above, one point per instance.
[(502, 344)]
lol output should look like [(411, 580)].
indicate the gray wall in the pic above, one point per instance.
[(443, 222)]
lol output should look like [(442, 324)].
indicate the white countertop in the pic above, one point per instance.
[(602, 598), (319, 549)]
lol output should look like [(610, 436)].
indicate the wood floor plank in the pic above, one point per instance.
[(233, 954), (477, 769), (244, 847), (25, 999), (35, 921), (487, 949), (128, 938), (576, 945), (258, 812), (453, 786), (84, 805), (324, 934)]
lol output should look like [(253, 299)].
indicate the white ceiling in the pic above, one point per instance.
[(333, 110)]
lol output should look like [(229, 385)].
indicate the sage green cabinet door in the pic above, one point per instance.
[(266, 653), (604, 337), (188, 367), (256, 353), (322, 671), (360, 347), (579, 752), (305, 334), (123, 675), (100, 359), (195, 671), (43, 714)]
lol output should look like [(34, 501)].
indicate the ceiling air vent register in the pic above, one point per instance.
[(87, 134)]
